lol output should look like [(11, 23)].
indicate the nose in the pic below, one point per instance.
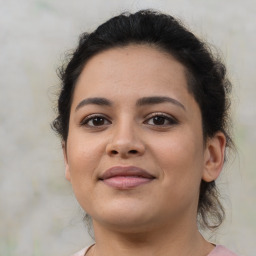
[(125, 142)]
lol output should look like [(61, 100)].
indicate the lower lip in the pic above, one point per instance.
[(126, 182)]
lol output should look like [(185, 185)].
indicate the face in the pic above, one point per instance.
[(135, 154)]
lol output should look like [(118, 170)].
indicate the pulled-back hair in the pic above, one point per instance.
[(206, 79)]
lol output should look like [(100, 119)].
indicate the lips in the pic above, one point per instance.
[(126, 177)]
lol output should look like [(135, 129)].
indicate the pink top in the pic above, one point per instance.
[(219, 250)]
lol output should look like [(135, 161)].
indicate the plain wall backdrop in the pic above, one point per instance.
[(38, 212)]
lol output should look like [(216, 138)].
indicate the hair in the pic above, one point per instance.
[(205, 72)]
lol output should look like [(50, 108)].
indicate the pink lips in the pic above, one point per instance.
[(126, 177)]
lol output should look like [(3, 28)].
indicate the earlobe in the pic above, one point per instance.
[(64, 150), (214, 157)]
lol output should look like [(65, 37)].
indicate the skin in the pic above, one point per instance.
[(159, 217)]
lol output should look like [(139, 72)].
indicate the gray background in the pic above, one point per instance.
[(38, 212)]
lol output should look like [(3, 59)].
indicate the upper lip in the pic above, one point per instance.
[(125, 171)]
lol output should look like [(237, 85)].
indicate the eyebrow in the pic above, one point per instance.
[(140, 102), (94, 101), (158, 100)]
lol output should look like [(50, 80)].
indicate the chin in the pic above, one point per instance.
[(125, 220)]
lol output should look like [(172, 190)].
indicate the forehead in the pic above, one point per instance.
[(132, 67)]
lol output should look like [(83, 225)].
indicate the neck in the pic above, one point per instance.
[(165, 241)]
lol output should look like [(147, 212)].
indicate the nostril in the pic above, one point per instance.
[(133, 151), (114, 152)]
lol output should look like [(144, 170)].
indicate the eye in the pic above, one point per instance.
[(95, 121), (160, 119)]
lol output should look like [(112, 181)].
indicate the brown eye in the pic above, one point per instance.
[(95, 121), (161, 120)]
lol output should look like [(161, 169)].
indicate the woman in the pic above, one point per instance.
[(143, 118)]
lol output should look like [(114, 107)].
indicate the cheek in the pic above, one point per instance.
[(83, 157), (83, 160), (181, 158)]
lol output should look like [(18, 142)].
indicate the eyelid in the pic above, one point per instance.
[(89, 117), (161, 114), (86, 119)]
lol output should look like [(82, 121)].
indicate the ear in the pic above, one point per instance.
[(214, 157), (64, 150)]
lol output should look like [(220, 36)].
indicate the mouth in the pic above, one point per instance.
[(126, 177)]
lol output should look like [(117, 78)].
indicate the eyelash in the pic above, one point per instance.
[(171, 120), (85, 121)]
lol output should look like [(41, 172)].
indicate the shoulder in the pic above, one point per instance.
[(221, 250), (83, 251)]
